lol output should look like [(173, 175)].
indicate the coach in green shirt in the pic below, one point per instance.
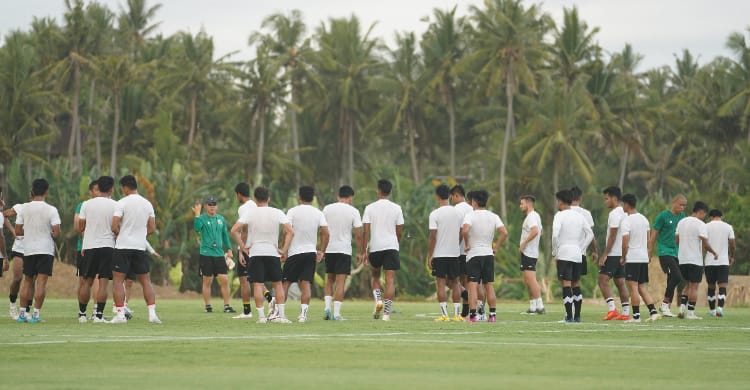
[(215, 251), (663, 233)]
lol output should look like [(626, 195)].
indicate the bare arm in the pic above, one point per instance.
[(116, 225), (325, 236), (500, 238), (465, 236), (19, 229), (707, 247), (151, 227), (625, 242), (651, 241), (365, 236), (9, 227), (431, 246), (399, 229), (55, 231), (731, 251), (2, 244), (532, 234), (610, 243), (288, 235)]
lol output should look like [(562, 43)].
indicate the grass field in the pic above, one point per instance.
[(192, 349)]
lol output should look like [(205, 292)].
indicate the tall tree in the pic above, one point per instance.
[(740, 102), (575, 48), (135, 23)]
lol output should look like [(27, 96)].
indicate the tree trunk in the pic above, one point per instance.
[(350, 152), (452, 132), (295, 138), (413, 152), (90, 124), (115, 133), (75, 126), (509, 125), (191, 132), (343, 144), (624, 166), (261, 145)]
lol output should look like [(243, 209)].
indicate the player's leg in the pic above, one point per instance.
[(723, 282), (328, 293), (15, 285), (390, 292), (711, 290), (84, 295), (622, 289), (442, 300), (603, 282), (28, 281), (338, 298), (40, 292), (635, 301), (101, 298)]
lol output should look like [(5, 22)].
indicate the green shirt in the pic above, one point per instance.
[(666, 225), (214, 234), (79, 244)]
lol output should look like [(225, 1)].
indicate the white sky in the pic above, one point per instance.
[(658, 29)]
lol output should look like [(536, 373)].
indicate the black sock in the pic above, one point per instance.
[(465, 295), (683, 299), (465, 310), (480, 310), (651, 309), (28, 305), (492, 311), (472, 313), (691, 305), (577, 301), (246, 308), (636, 312), (82, 308), (226, 305), (711, 296), (100, 309), (13, 298), (568, 301), (722, 296)]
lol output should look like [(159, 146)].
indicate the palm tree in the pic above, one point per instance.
[(443, 49), (135, 23), (507, 41), (575, 47), (740, 102)]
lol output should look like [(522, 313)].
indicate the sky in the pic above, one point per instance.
[(657, 29)]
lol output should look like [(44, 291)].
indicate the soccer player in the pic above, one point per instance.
[(577, 195), (570, 233), (4, 263), (692, 239), (95, 224), (663, 232), (215, 250), (458, 198), (721, 238), (383, 221), (264, 255), (445, 230), (308, 223), (39, 224), (16, 255), (635, 256), (479, 233), (84, 291), (343, 219), (133, 220), (609, 263), (242, 192), (531, 232)]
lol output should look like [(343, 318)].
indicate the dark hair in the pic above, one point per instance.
[(306, 193), (530, 198), (630, 200), (715, 213), (261, 194), (480, 196), (346, 192), (565, 196), (613, 191), (129, 182), (93, 184), (469, 196), (443, 192), (458, 189), (575, 193), (242, 189), (700, 206), (39, 187), (385, 186), (105, 183)]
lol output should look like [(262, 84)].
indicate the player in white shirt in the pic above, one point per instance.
[(721, 238), (383, 221), (609, 263), (133, 220), (531, 233), (442, 253), (692, 240), (478, 232), (262, 249), (576, 206), (570, 233), (4, 264), (343, 219), (460, 203), (16, 255), (636, 254), (95, 223), (39, 224), (308, 223)]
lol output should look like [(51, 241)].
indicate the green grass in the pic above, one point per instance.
[(192, 349)]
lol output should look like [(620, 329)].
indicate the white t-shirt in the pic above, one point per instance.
[(446, 221), (383, 217), (305, 220), (37, 219), (463, 208), (637, 227), (690, 230), (98, 212), (719, 234), (342, 218), (250, 204), (482, 227), (570, 233), (532, 248), (18, 242), (134, 212), (263, 230), (589, 221), (613, 222)]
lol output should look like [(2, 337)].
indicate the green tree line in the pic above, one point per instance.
[(498, 97)]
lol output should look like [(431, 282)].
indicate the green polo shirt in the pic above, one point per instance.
[(666, 225), (214, 234)]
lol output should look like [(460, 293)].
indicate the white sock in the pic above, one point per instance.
[(12, 305), (151, 310), (23, 311), (328, 299), (456, 309), (532, 304), (261, 311), (337, 308), (36, 312), (539, 303), (610, 304), (303, 309), (377, 294), (626, 309), (280, 310), (444, 309)]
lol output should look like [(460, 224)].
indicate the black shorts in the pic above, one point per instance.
[(481, 269), (462, 265), (446, 267), (388, 259), (338, 263), (96, 261), (80, 265), (691, 272), (666, 262), (528, 263), (130, 260), (242, 270), (717, 274), (300, 267), (38, 264), (130, 276), (14, 254), (583, 268), (568, 270), (212, 265), (613, 268), (264, 269), (636, 272)]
